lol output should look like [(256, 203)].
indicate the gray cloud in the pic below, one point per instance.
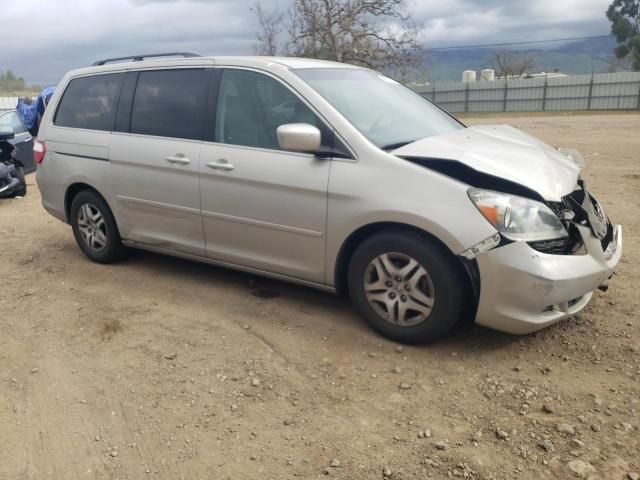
[(73, 33)]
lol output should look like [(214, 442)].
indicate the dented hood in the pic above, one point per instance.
[(505, 152)]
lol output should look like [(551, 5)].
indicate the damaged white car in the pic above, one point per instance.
[(328, 175)]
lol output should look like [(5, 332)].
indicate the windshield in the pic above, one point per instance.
[(385, 111)]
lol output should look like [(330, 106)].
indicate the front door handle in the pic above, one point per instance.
[(178, 159), (221, 164)]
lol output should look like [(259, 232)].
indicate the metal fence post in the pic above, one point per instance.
[(638, 106), (506, 90), (590, 92), (466, 98), (544, 94)]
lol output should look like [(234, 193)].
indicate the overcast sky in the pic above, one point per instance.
[(42, 39)]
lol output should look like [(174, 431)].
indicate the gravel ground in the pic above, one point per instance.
[(163, 368)]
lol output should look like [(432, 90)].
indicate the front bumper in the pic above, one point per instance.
[(523, 290)]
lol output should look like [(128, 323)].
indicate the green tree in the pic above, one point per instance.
[(10, 82), (13, 85), (625, 25)]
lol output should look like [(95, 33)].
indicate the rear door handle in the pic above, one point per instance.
[(221, 164), (179, 159)]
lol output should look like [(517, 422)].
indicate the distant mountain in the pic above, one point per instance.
[(573, 58)]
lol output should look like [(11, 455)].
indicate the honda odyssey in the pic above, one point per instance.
[(328, 175)]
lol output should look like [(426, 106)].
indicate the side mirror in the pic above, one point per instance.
[(298, 137)]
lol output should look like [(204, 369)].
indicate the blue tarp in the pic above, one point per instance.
[(28, 112), (32, 112)]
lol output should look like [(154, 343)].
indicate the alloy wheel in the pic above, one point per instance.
[(92, 227)]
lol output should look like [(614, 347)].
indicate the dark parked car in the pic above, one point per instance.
[(10, 121)]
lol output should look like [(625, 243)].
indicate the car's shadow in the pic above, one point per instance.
[(465, 336)]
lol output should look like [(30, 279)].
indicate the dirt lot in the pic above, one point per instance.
[(162, 368)]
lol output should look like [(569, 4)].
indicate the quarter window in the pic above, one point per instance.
[(251, 106), (170, 103), (90, 102)]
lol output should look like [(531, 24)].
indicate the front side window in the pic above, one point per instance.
[(90, 102), (170, 103), (385, 111), (10, 122), (251, 106)]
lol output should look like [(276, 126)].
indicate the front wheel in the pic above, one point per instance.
[(94, 228), (407, 287)]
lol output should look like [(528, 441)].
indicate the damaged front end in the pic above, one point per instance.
[(528, 285), (546, 258), (576, 208), (524, 289), (579, 208)]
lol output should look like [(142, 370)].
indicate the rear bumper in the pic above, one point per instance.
[(523, 290), (52, 194)]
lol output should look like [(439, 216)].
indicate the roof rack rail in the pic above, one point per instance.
[(139, 58)]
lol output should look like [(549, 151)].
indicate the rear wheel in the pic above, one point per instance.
[(94, 228), (406, 286)]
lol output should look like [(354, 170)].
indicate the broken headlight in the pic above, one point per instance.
[(517, 218)]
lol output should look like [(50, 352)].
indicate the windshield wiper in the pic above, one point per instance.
[(393, 146)]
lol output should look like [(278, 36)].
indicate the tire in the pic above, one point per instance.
[(434, 285), (95, 228), (22, 190)]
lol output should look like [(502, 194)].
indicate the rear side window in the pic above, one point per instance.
[(170, 103), (90, 102)]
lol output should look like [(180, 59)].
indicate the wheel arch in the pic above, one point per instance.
[(469, 269), (73, 190)]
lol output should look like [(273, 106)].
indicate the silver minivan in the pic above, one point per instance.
[(329, 175)]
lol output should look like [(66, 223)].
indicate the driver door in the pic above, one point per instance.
[(262, 207)]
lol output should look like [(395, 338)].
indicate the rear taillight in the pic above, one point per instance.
[(39, 151)]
